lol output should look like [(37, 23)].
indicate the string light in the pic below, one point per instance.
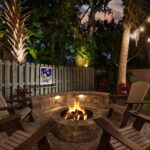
[(148, 40), (142, 29), (148, 19), (133, 35)]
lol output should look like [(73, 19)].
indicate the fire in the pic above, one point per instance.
[(75, 112)]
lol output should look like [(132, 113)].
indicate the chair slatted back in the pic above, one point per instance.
[(2, 101), (137, 92), (3, 104)]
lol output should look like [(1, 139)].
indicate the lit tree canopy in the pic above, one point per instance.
[(135, 12)]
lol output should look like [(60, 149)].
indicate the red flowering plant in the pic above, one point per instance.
[(124, 88), (21, 92), (103, 85)]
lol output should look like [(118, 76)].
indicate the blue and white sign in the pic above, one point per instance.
[(45, 75)]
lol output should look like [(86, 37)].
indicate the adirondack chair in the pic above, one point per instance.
[(5, 109), (21, 140), (128, 138), (135, 101)]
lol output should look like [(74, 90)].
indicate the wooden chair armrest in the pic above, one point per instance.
[(140, 116), (10, 118), (10, 107), (36, 137), (112, 131), (134, 102)]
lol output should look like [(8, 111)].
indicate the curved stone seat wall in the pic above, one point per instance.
[(44, 104)]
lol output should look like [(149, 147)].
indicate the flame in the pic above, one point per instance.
[(75, 109)]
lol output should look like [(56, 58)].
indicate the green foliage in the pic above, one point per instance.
[(108, 44), (110, 74), (59, 20), (135, 12)]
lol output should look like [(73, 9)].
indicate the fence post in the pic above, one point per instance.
[(14, 76), (37, 79), (1, 75), (27, 75), (7, 79)]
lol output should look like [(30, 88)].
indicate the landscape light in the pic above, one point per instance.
[(81, 96), (57, 97)]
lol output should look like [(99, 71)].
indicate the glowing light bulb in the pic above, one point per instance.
[(148, 40), (148, 19), (81, 96), (142, 29), (133, 35), (57, 97)]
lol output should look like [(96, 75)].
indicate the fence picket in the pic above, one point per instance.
[(59, 79), (32, 77), (56, 79), (7, 79), (14, 76), (1, 75), (42, 89), (27, 76), (21, 74), (84, 79), (37, 79), (46, 87), (92, 80)]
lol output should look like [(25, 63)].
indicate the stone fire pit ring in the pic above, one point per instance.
[(76, 131)]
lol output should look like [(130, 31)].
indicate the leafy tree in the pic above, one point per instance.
[(108, 41), (135, 12), (60, 37), (93, 7), (4, 48)]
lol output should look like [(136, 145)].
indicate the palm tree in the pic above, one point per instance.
[(15, 24), (135, 12)]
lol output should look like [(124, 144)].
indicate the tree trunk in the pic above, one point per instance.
[(91, 28), (124, 55)]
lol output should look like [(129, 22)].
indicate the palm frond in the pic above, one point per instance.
[(15, 24)]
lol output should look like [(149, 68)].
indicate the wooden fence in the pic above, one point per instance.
[(13, 75)]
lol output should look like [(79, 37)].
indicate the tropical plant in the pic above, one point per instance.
[(15, 23)]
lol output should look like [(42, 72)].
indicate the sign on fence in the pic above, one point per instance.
[(45, 75)]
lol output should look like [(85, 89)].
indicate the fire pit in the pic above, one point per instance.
[(75, 112), (75, 124)]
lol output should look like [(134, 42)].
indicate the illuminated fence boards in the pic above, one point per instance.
[(13, 75)]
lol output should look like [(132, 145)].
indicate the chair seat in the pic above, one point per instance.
[(119, 108), (132, 134), (14, 140), (24, 112)]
